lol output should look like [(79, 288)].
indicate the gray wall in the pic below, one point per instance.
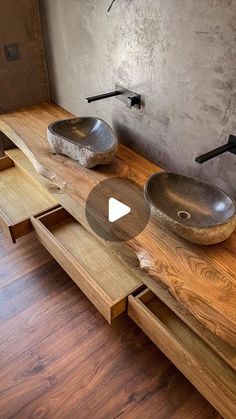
[(23, 82), (180, 55)]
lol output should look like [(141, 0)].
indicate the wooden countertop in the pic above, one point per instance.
[(201, 278)]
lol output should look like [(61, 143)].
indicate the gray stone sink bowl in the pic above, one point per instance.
[(191, 208), (88, 140)]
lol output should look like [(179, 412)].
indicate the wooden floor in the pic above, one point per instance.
[(60, 359)]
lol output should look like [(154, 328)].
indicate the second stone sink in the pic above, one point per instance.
[(191, 208), (88, 140)]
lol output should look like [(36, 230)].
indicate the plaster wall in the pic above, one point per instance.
[(180, 55)]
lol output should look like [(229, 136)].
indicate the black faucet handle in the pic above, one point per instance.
[(133, 101)]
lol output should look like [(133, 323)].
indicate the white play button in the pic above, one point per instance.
[(117, 210)]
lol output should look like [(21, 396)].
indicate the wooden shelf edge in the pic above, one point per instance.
[(223, 349), (209, 385)]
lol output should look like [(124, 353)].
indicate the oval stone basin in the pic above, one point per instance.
[(89, 140), (191, 208)]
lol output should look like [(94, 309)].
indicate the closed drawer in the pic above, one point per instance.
[(105, 279), (20, 198), (207, 371)]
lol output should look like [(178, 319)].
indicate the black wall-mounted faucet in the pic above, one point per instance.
[(229, 146), (131, 99), (103, 96)]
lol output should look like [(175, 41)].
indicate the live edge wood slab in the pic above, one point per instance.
[(202, 279)]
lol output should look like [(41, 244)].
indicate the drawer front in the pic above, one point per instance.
[(20, 198), (46, 233), (5, 163), (205, 369), (4, 224), (222, 348), (17, 230)]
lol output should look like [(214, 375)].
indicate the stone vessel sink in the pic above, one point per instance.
[(191, 208), (88, 140)]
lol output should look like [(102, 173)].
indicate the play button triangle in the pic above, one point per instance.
[(117, 210)]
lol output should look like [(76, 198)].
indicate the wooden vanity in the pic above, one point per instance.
[(183, 296)]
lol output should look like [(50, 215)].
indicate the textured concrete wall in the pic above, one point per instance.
[(23, 82), (180, 55)]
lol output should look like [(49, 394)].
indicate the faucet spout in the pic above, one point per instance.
[(103, 96), (131, 99), (230, 146)]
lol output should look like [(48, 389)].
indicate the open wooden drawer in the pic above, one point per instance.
[(99, 274), (207, 371), (20, 198)]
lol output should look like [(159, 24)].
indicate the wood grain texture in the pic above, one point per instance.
[(206, 370), (104, 279), (24, 164), (5, 163), (223, 349), (200, 279), (20, 198), (60, 359)]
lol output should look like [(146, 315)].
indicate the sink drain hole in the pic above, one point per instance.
[(184, 214)]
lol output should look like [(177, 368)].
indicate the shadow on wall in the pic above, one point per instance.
[(134, 141)]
